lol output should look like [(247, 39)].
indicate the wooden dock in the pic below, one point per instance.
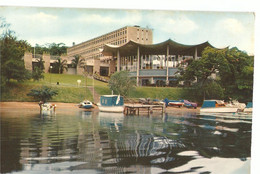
[(134, 109)]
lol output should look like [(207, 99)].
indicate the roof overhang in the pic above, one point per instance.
[(130, 49)]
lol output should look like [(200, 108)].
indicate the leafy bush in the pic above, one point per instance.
[(121, 83), (44, 94)]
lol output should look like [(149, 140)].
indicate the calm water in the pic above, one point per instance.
[(86, 142)]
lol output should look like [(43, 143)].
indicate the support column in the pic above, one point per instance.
[(167, 66), (138, 65), (112, 67), (196, 54), (118, 61)]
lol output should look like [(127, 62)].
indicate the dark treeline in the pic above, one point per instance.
[(56, 49)]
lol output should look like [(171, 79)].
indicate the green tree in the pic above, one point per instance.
[(43, 94), (77, 61), (59, 66), (57, 49), (37, 74), (211, 62), (38, 70), (51, 48), (121, 83), (233, 71), (40, 63), (237, 79), (11, 54)]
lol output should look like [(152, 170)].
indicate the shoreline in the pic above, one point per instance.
[(8, 106)]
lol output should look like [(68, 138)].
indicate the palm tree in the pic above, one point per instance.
[(60, 65), (77, 61)]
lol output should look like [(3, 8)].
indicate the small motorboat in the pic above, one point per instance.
[(86, 104), (249, 107), (219, 106), (178, 103), (189, 104), (47, 108)]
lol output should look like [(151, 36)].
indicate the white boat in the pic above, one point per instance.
[(86, 104), (218, 106), (249, 108), (111, 103), (47, 108)]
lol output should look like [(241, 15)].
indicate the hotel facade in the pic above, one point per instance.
[(129, 48), (91, 50)]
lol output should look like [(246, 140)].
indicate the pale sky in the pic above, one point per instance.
[(43, 25)]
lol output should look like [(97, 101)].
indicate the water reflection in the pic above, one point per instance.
[(82, 141)]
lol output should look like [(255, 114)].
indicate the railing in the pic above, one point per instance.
[(154, 72), (100, 78)]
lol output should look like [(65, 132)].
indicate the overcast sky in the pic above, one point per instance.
[(66, 25)]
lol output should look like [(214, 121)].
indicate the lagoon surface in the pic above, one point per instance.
[(80, 141)]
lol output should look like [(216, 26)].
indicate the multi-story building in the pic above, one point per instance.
[(129, 48), (91, 50)]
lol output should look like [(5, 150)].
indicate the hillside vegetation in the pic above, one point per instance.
[(70, 92)]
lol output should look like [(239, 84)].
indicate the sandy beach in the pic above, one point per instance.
[(32, 106)]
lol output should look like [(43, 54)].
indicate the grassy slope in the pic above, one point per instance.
[(69, 91)]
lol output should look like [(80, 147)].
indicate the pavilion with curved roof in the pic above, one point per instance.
[(152, 62)]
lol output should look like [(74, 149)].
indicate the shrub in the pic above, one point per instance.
[(44, 94)]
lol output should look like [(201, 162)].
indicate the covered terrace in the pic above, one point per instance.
[(153, 62)]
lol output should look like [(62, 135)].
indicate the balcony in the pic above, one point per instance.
[(154, 72)]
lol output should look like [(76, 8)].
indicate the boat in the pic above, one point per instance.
[(47, 108), (178, 103), (189, 104), (86, 104), (249, 108), (218, 106), (111, 103)]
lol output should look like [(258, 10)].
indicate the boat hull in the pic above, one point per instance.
[(248, 110), (179, 104), (219, 110), (86, 105), (118, 109), (47, 109)]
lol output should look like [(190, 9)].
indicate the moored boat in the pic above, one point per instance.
[(178, 103), (189, 104), (111, 103), (249, 107), (218, 106), (47, 108), (86, 104)]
